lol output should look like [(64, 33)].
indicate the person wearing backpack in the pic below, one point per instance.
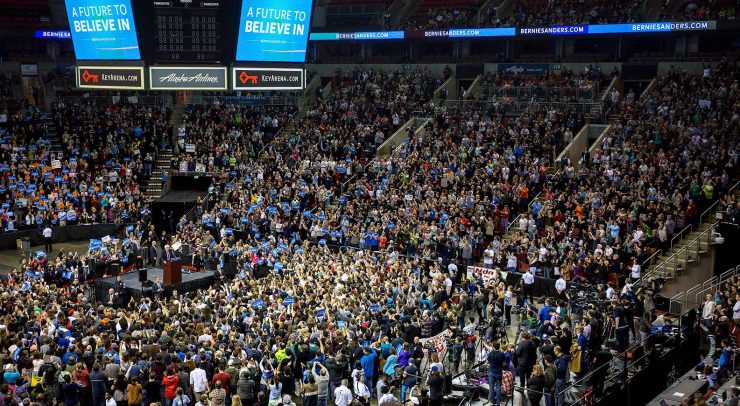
[(550, 377), (561, 377)]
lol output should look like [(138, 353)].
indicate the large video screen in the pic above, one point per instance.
[(273, 30), (103, 29)]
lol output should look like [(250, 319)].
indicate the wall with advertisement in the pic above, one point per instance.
[(530, 69), (103, 30), (253, 78), (110, 77), (187, 78), (273, 30)]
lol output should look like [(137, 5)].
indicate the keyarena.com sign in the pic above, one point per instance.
[(187, 78), (110, 77), (268, 78)]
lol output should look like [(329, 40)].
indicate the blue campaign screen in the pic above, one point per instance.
[(103, 29), (273, 30)]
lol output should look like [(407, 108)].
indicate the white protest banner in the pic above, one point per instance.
[(487, 274), (438, 343)]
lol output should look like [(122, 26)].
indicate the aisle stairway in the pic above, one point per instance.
[(53, 136), (154, 187), (687, 249)]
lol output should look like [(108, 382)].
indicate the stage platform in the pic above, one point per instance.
[(190, 281)]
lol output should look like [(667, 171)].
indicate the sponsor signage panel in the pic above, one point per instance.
[(268, 78), (187, 78), (537, 69), (110, 77)]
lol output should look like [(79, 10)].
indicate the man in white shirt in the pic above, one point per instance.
[(511, 263), (448, 285), (560, 285), (488, 258), (736, 309), (528, 287), (198, 381), (708, 310), (342, 395), (635, 271), (610, 291), (47, 239)]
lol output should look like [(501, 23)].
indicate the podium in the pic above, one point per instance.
[(172, 272)]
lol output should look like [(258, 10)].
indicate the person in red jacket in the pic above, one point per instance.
[(170, 383)]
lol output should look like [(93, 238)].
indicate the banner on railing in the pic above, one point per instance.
[(487, 274), (438, 343)]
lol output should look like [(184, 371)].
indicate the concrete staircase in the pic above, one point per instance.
[(688, 247), (688, 250), (54, 137), (154, 187)]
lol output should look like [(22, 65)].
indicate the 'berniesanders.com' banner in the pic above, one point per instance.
[(103, 30), (632, 28), (274, 30)]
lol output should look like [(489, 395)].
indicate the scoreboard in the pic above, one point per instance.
[(188, 31)]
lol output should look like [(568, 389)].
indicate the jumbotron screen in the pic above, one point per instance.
[(103, 29), (274, 30)]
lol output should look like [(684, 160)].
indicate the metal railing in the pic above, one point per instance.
[(257, 100), (688, 229), (544, 93), (114, 99), (524, 213), (694, 296), (681, 258), (517, 107)]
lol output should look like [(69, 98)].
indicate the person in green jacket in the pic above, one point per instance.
[(550, 376)]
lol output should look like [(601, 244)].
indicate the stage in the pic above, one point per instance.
[(190, 281)]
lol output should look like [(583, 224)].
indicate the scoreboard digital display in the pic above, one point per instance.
[(188, 31)]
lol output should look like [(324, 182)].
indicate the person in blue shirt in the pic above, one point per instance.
[(544, 312), (368, 363), (496, 360), (409, 379), (11, 374), (725, 359)]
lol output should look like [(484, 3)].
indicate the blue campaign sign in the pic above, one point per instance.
[(375, 308), (258, 303), (320, 313), (289, 300), (341, 324), (274, 30), (103, 29)]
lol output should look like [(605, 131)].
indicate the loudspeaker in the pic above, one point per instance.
[(143, 275)]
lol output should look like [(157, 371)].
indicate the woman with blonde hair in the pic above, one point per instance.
[(536, 385)]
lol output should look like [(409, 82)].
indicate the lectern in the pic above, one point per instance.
[(172, 272)]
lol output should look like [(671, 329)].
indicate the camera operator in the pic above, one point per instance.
[(526, 353), (435, 383), (621, 326)]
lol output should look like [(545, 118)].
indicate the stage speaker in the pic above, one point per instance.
[(115, 268), (143, 277), (185, 250)]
